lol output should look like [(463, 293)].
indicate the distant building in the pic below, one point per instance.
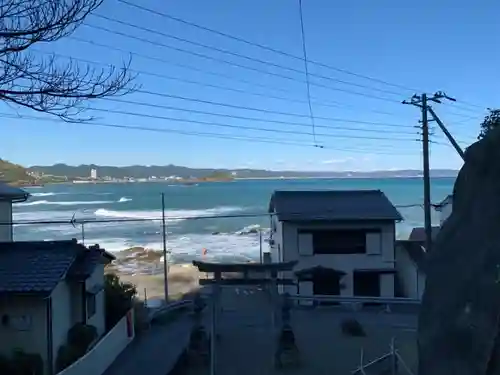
[(9, 195), (410, 257), (93, 174), (343, 241)]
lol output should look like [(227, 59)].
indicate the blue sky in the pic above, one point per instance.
[(425, 45)]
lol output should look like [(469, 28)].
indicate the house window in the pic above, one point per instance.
[(345, 241), (91, 305)]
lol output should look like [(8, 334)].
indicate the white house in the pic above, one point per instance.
[(343, 241), (410, 257), (8, 195), (445, 208), (45, 289)]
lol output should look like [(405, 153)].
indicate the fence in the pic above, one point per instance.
[(102, 355)]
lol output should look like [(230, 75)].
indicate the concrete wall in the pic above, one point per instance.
[(98, 319), (5, 217), (23, 325), (411, 280), (300, 248), (102, 355)]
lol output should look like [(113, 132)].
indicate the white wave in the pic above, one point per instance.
[(171, 215), (67, 203), (124, 199), (42, 194)]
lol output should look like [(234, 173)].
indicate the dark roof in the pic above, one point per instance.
[(418, 234), (37, 267), (330, 205), (11, 193), (415, 251)]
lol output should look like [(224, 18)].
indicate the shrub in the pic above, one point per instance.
[(352, 327), (119, 299), (81, 336), (26, 363), (66, 356)]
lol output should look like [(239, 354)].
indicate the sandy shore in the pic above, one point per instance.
[(182, 279)]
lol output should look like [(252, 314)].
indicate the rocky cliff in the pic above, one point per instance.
[(459, 319)]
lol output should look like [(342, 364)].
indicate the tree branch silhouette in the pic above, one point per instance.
[(42, 83)]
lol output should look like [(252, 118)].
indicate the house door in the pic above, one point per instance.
[(366, 284)]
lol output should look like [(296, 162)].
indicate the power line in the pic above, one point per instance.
[(329, 103), (237, 65), (151, 105), (304, 51), (239, 127), (201, 134), (239, 55), (283, 53)]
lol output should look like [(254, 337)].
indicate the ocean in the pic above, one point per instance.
[(190, 212)]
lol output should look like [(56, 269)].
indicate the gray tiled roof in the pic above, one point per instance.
[(12, 193), (292, 205), (37, 267), (418, 233)]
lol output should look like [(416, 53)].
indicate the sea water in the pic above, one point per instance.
[(190, 211)]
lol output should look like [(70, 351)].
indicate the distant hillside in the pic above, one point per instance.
[(14, 173), (140, 171)]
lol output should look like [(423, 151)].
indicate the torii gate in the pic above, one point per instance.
[(268, 269)]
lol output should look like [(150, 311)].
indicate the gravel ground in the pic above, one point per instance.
[(246, 345)]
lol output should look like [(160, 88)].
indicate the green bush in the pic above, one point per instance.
[(21, 363), (66, 356), (119, 299), (81, 336)]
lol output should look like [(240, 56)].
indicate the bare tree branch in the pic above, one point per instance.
[(41, 83)]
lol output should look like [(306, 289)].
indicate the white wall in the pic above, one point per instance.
[(101, 356), (62, 319), (411, 280), (98, 320), (342, 262), (5, 217), (27, 325)]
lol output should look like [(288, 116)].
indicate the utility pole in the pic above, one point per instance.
[(421, 101), (165, 252)]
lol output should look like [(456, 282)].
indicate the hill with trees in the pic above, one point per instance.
[(14, 173)]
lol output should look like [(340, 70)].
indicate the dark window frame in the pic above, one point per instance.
[(328, 241)]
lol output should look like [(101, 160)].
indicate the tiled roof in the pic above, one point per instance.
[(12, 193), (332, 205), (418, 233), (37, 267)]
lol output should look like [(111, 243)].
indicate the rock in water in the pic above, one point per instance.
[(459, 317)]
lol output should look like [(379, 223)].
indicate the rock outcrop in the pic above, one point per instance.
[(459, 318)]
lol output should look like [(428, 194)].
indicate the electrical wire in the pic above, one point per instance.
[(283, 53), (239, 55), (317, 102), (195, 133), (306, 68), (211, 58)]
